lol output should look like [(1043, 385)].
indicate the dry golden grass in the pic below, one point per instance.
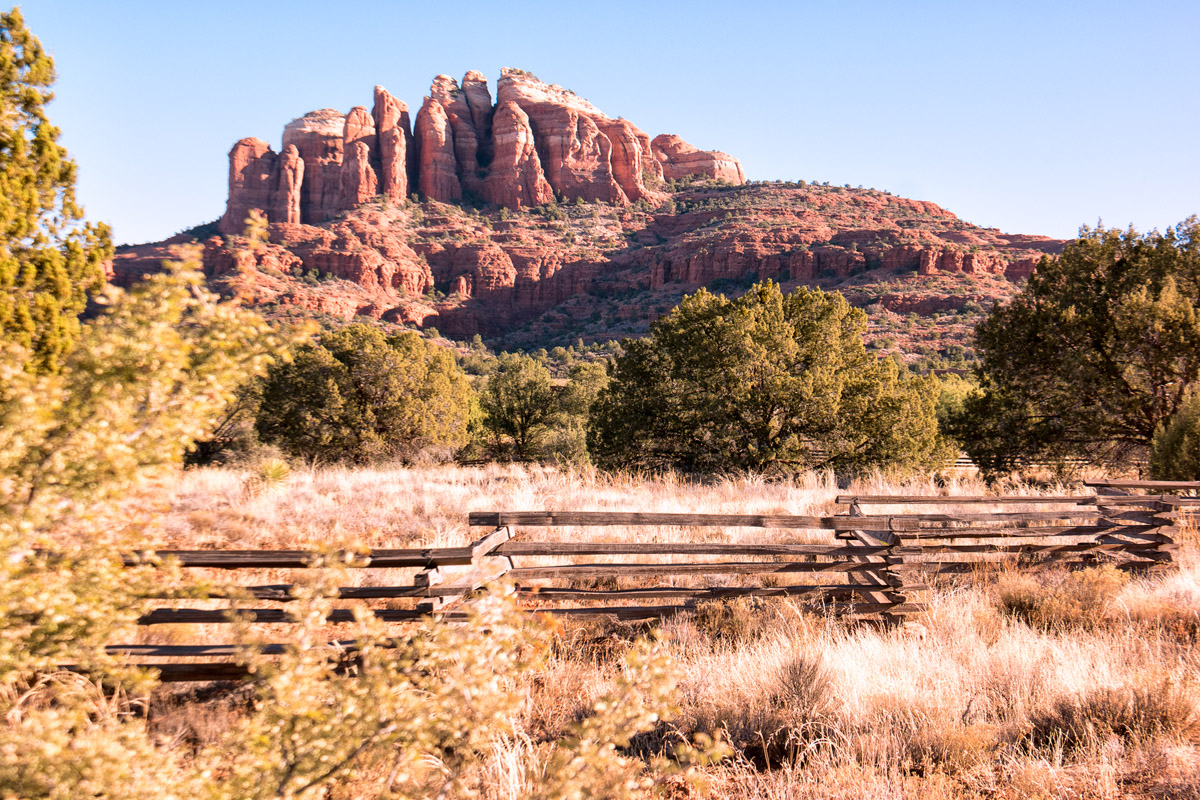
[(1048, 686)]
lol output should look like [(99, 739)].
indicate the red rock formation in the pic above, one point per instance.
[(286, 186), (632, 159), (1021, 269), (576, 156), (251, 164), (462, 286), (935, 261), (549, 139), (318, 138), (515, 179), (479, 100), (394, 144), (680, 159), (501, 273), (360, 127), (435, 142), (446, 91), (491, 270), (358, 178)]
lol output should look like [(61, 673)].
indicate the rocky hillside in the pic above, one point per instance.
[(538, 219)]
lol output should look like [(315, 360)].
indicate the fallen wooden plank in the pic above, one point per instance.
[(1039, 532), (1025, 516), (1166, 486), (1082, 500), (214, 650), (838, 523), (217, 616), (286, 592), (710, 593), (1136, 537), (192, 650), (199, 672), (1032, 549), (608, 518), (636, 613)]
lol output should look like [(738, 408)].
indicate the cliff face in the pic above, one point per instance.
[(535, 141)]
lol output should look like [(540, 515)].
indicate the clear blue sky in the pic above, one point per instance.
[(1031, 117)]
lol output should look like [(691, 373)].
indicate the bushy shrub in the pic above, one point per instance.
[(527, 416), (1135, 712), (1124, 306), (1175, 450)]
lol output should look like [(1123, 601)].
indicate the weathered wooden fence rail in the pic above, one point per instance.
[(855, 563)]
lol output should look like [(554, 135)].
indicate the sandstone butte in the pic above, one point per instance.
[(537, 212)]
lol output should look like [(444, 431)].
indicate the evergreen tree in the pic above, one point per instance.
[(357, 396), (519, 402), (766, 382), (49, 261), (1096, 353), (1175, 450)]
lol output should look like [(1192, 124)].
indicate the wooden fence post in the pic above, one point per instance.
[(887, 581), (1166, 524), (449, 585)]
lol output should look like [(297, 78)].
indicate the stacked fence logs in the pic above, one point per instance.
[(871, 560)]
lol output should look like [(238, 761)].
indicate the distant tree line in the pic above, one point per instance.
[(767, 383)]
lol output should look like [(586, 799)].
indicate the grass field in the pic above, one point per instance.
[(1058, 685)]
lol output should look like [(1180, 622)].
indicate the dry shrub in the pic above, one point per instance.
[(794, 716), (734, 621), (193, 719), (924, 738), (952, 748), (597, 642), (1136, 712), (1173, 619), (1170, 606), (1061, 600), (1164, 771)]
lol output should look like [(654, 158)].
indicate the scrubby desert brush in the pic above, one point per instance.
[(1097, 695), (268, 474)]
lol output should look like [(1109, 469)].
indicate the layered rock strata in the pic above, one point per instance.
[(536, 142), (680, 159)]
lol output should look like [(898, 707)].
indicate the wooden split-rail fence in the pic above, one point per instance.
[(872, 561)]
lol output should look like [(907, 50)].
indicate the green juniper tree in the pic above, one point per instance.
[(1097, 352), (358, 396), (50, 262), (767, 383), (519, 403)]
